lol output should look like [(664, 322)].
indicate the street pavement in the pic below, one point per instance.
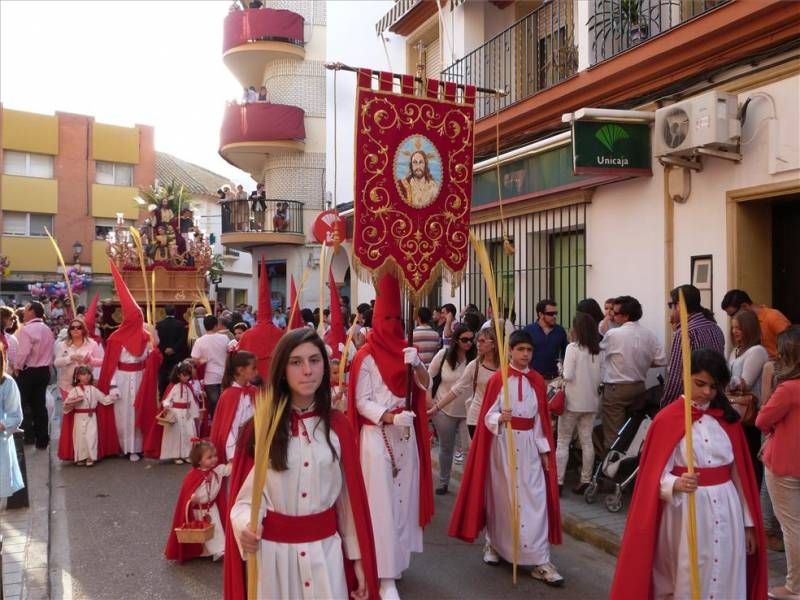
[(110, 522)]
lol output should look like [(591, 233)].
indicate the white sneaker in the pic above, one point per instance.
[(458, 458), (490, 557), (547, 573), (388, 590), (134, 457)]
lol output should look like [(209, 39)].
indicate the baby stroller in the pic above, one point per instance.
[(621, 464)]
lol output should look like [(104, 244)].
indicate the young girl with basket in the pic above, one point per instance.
[(180, 403), (197, 529), (88, 431)]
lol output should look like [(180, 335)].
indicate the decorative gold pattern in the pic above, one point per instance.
[(415, 244)]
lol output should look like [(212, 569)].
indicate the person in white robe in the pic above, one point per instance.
[(205, 495), (176, 441), (128, 380), (83, 399)]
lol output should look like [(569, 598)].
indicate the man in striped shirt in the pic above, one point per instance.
[(703, 333), (425, 339)]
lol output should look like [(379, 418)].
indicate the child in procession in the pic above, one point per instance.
[(179, 399), (236, 403), (484, 495), (314, 538), (201, 492), (654, 558), (196, 383), (88, 431)]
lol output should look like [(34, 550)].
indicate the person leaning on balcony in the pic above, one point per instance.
[(262, 94), (281, 219), (771, 320)]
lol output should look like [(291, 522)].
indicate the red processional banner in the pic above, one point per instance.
[(413, 180)]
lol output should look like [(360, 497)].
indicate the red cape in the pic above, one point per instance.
[(152, 443), (107, 439), (235, 578), (223, 418), (633, 578), (147, 403), (469, 513), (420, 430), (174, 549)]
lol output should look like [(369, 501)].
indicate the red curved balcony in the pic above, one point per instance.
[(254, 37), (250, 132)]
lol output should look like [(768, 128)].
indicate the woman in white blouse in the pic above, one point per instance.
[(78, 349), (746, 362), (450, 363), (582, 379)]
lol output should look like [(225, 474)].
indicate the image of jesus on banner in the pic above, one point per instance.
[(418, 171)]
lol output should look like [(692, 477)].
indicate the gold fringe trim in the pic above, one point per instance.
[(390, 266)]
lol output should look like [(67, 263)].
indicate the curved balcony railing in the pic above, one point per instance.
[(262, 216), (262, 25), (261, 122)]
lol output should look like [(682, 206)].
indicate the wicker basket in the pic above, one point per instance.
[(188, 535), (166, 417)]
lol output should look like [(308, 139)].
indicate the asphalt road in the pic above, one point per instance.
[(110, 523)]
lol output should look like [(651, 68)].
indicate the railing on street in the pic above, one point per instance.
[(262, 216), (535, 53), (618, 25)]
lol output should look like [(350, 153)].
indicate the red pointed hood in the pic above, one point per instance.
[(262, 339), (294, 310), (337, 334), (91, 315), (264, 295), (387, 339), (131, 333)]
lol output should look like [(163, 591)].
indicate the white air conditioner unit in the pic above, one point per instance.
[(706, 121)]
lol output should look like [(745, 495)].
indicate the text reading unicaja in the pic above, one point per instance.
[(614, 162)]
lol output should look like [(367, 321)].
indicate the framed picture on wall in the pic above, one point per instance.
[(703, 279)]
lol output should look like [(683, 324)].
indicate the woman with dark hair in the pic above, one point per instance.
[(582, 390), (77, 350), (9, 343), (746, 362), (235, 406), (779, 419), (313, 506), (591, 308), (450, 410), (654, 558)]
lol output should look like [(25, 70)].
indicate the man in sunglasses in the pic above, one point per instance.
[(549, 340)]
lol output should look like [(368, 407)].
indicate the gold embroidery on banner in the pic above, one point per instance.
[(419, 238)]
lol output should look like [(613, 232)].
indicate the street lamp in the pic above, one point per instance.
[(77, 248)]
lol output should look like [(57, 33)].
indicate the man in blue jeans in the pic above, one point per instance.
[(549, 340)]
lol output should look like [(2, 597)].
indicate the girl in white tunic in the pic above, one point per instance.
[(306, 518), (83, 400), (203, 456), (176, 443)]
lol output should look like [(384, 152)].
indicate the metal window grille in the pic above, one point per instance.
[(549, 262)]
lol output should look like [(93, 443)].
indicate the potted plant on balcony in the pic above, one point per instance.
[(628, 22)]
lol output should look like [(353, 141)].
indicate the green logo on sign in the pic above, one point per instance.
[(609, 134)]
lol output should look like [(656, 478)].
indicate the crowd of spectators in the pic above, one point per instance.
[(242, 212)]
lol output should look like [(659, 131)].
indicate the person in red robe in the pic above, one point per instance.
[(236, 403), (653, 560), (393, 436), (335, 339), (483, 497), (91, 320), (262, 338), (288, 565), (200, 499)]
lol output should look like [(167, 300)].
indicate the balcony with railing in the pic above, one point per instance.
[(535, 53), (253, 37), (619, 25), (249, 223), (250, 132)]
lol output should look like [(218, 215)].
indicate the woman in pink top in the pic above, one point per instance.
[(78, 349), (779, 418)]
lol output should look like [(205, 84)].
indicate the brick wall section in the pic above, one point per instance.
[(297, 83), (75, 173), (296, 177)]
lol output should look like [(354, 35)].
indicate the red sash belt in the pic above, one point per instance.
[(131, 367), (84, 411), (287, 529), (180, 405), (202, 506), (522, 423), (365, 421), (709, 476)]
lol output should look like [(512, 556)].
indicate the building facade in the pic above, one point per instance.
[(717, 221), (73, 176), (280, 140)]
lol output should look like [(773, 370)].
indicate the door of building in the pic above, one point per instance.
[(786, 258)]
